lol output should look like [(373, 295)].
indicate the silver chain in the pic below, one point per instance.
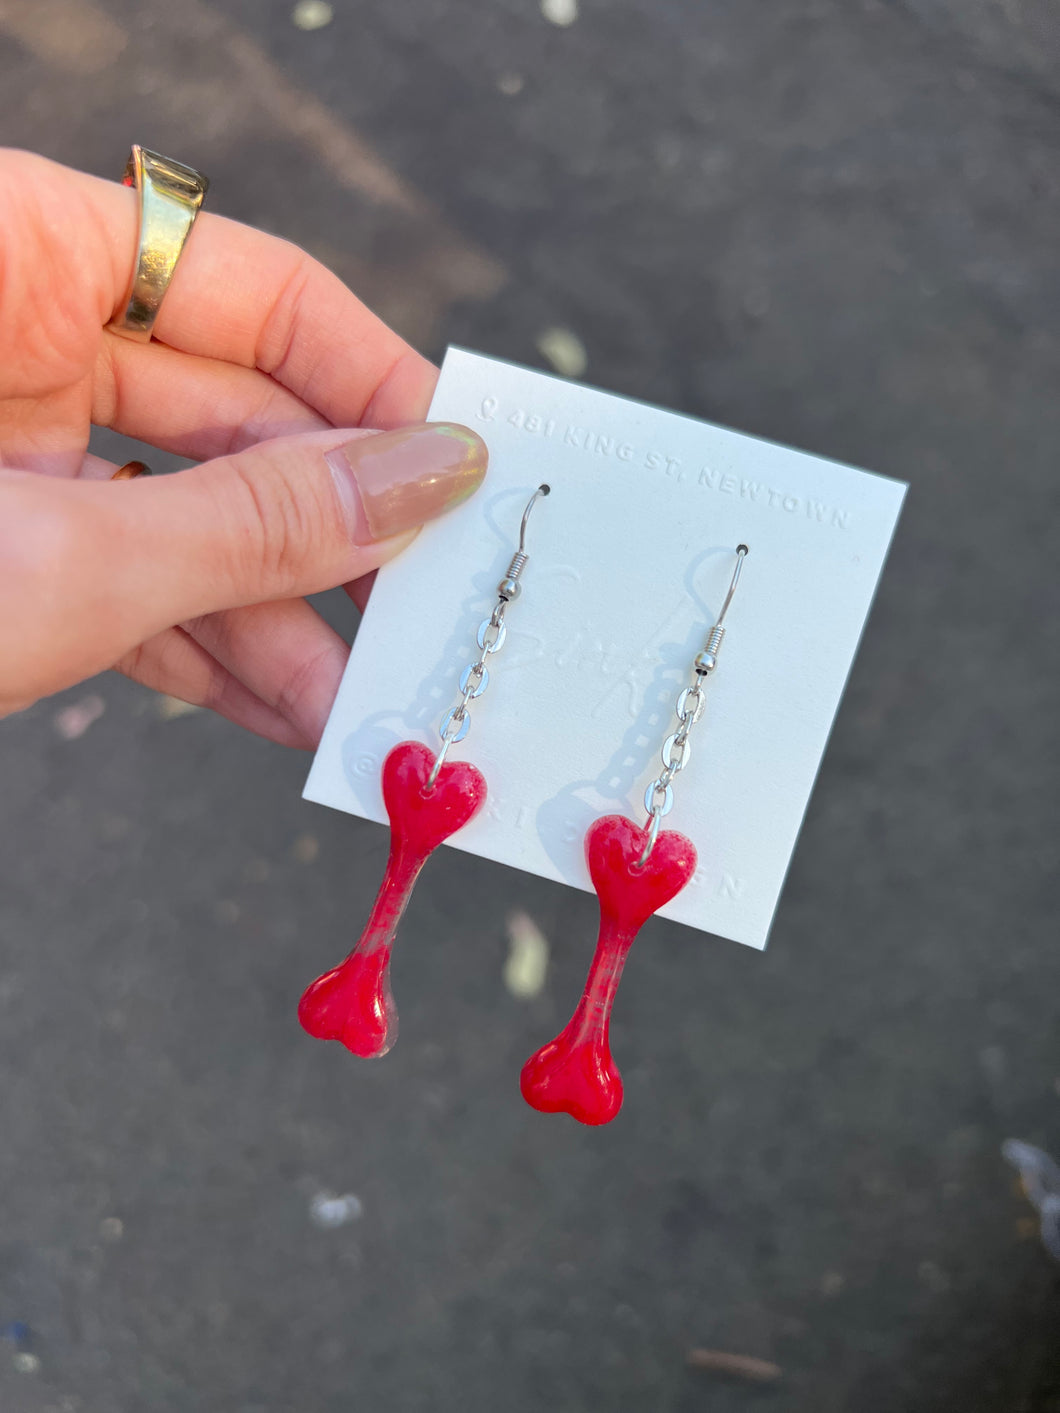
[(676, 753), (492, 631), (677, 749), (474, 680)]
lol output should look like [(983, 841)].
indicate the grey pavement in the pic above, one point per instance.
[(828, 222)]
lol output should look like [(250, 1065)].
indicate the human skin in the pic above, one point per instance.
[(303, 409)]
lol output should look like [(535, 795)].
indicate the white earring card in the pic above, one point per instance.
[(630, 559)]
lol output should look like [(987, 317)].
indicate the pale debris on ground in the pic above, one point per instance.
[(74, 720), (305, 848), (328, 1209), (564, 350), (169, 708), (311, 14), (560, 12), (527, 964), (738, 1366), (1040, 1177)]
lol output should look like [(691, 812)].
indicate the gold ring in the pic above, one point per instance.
[(131, 470), (170, 197)]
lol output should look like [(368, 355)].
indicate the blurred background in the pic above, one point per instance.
[(828, 222)]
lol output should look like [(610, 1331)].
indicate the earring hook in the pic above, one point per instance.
[(741, 554), (659, 796), (542, 491)]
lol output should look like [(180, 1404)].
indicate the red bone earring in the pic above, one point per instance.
[(426, 801), (635, 872)]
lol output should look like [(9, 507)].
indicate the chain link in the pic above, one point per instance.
[(676, 753), (474, 680)]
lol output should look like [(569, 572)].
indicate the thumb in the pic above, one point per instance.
[(98, 567), (296, 515)]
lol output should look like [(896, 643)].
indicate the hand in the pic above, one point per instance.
[(192, 583)]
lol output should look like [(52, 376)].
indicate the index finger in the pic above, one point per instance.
[(253, 299)]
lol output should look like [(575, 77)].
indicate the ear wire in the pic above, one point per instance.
[(676, 751), (509, 587)]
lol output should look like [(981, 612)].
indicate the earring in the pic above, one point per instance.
[(635, 872), (426, 801)]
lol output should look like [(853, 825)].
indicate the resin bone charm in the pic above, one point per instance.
[(426, 802), (575, 1073), (635, 873), (353, 1001)]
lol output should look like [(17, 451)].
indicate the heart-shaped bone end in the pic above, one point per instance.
[(629, 894), (572, 1075), (421, 819), (352, 1003)]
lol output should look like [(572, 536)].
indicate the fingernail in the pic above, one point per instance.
[(393, 481)]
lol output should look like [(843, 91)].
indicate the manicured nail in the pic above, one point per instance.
[(390, 482)]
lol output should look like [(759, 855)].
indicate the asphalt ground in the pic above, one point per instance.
[(831, 224)]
